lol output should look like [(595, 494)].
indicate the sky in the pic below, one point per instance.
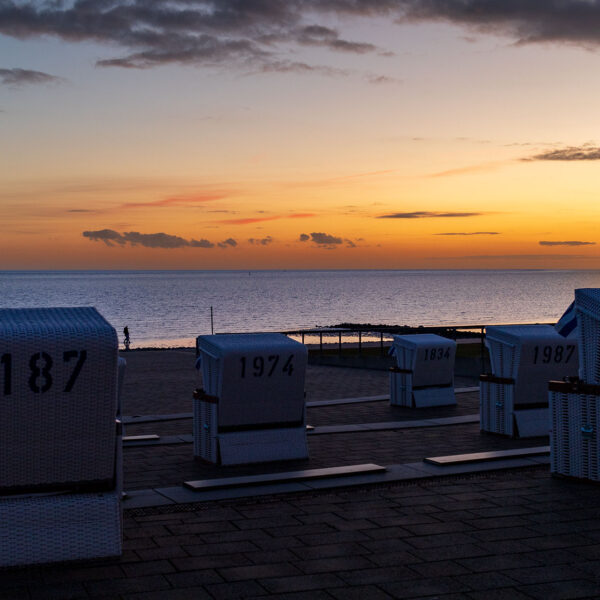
[(299, 134)]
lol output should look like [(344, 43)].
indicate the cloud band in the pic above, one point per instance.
[(151, 240)]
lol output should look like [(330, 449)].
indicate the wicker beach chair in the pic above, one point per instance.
[(575, 404), (60, 451), (252, 407), (424, 371), (524, 358)]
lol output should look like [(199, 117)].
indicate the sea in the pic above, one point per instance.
[(170, 308)]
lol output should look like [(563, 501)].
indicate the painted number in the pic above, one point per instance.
[(40, 380), (556, 354), (260, 366), (80, 356), (437, 353), (40, 371)]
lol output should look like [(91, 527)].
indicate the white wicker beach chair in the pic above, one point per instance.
[(424, 371), (524, 358), (60, 453), (252, 407), (575, 404), (587, 309), (575, 434)]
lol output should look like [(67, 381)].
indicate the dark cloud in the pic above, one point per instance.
[(325, 240), (258, 33), (570, 153), (422, 214), (20, 77), (149, 240), (349, 243), (201, 244), (567, 243), (526, 21), (228, 243), (154, 240), (252, 34), (317, 35), (261, 242), (470, 233), (108, 236)]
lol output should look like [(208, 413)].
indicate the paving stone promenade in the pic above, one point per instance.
[(511, 534)]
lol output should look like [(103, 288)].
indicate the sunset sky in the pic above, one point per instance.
[(268, 134)]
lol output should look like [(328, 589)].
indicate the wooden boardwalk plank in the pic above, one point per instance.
[(457, 459), (306, 474)]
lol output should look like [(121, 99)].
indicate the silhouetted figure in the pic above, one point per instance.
[(126, 341)]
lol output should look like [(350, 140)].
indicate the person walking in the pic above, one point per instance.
[(126, 341)]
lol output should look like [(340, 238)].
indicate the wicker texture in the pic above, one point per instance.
[(504, 357), (59, 388), (532, 355), (52, 434), (587, 309), (400, 389), (258, 382), (402, 393), (429, 358), (574, 438), (434, 396), (529, 356), (496, 401), (265, 445), (122, 364), (248, 373), (43, 529), (205, 430)]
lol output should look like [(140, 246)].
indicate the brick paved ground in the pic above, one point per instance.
[(513, 534), (156, 466)]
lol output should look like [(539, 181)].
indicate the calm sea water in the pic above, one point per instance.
[(167, 308)]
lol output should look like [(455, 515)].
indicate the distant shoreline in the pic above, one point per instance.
[(382, 270)]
